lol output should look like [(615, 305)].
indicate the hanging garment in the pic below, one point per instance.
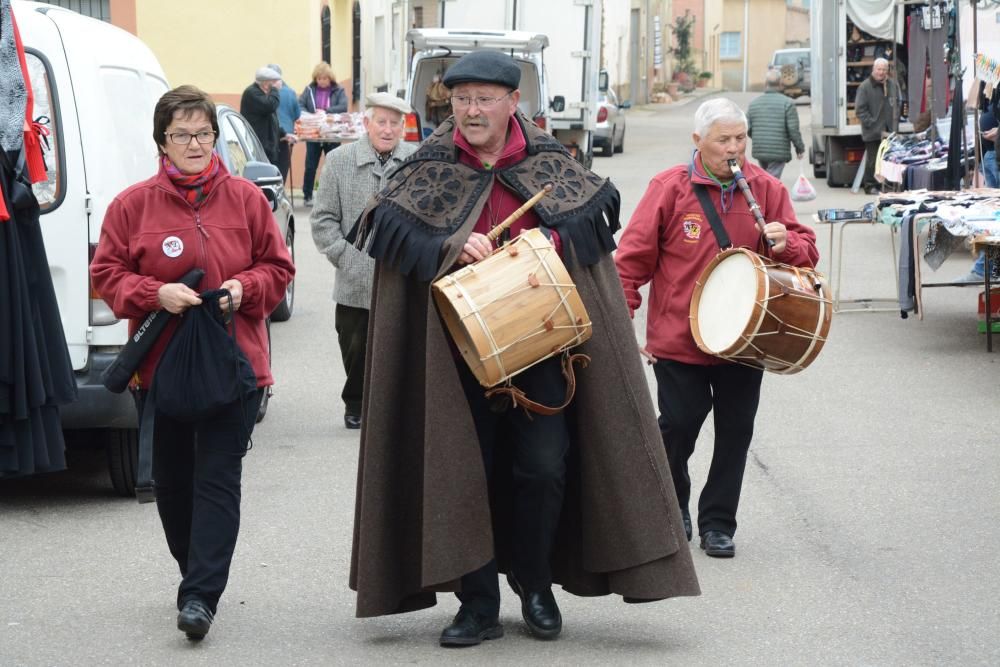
[(926, 49)]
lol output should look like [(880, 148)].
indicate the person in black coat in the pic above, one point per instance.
[(259, 105)]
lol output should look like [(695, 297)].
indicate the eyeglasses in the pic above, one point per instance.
[(463, 101), (184, 138)]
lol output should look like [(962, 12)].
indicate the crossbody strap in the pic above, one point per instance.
[(721, 237)]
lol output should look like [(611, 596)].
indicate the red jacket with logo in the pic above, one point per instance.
[(669, 241), (151, 235)]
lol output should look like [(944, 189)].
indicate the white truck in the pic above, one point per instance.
[(844, 45), (557, 44)]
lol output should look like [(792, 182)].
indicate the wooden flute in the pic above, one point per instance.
[(734, 166)]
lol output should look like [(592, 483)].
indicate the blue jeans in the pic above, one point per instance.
[(990, 169), (313, 151)]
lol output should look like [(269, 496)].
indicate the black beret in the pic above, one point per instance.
[(484, 67)]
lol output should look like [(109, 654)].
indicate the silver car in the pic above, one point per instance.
[(610, 132), (792, 65)]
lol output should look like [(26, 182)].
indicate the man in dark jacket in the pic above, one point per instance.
[(259, 105), (877, 107), (455, 487), (773, 123)]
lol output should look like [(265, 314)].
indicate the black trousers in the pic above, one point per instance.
[(197, 469), (871, 153), (284, 158), (538, 447), (352, 334), (686, 393), (313, 152)]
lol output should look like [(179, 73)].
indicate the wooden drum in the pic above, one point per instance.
[(761, 313), (513, 309)]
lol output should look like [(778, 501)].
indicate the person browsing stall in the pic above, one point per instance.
[(454, 487), (194, 214), (288, 112), (323, 94), (668, 243), (352, 174)]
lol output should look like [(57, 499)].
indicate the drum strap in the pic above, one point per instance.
[(519, 399), (713, 216)]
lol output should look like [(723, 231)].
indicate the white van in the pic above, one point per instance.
[(95, 87)]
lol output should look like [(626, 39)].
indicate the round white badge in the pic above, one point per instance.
[(173, 246)]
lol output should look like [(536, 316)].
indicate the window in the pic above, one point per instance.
[(324, 19), (254, 151), (729, 46), (235, 156), (48, 192), (98, 9)]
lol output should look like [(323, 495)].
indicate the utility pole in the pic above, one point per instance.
[(746, 42)]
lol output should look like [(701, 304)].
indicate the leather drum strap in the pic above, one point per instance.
[(519, 399)]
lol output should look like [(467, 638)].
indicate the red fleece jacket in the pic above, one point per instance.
[(151, 235), (669, 241)]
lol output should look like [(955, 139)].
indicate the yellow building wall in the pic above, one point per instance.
[(761, 35), (220, 51)]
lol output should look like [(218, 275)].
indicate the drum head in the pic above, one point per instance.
[(727, 301)]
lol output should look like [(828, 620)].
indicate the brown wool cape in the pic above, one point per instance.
[(423, 513)]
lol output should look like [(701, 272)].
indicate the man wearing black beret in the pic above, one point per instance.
[(454, 487)]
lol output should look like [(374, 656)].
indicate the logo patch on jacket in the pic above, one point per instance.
[(173, 246), (692, 227)]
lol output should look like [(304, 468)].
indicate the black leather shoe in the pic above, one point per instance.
[(718, 544), (539, 610), (352, 421), (470, 629), (194, 619), (686, 515)]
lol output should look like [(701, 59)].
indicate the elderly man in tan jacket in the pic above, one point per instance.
[(352, 174)]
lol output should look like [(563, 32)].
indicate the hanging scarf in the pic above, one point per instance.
[(193, 187)]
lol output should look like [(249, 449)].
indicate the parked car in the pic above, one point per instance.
[(240, 149), (793, 67), (609, 135)]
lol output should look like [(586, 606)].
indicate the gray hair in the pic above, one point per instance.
[(880, 61), (772, 79), (715, 110)]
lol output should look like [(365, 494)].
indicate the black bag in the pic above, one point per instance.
[(203, 369)]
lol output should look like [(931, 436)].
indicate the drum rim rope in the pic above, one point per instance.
[(759, 264), (564, 290)]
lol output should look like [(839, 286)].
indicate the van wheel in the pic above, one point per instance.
[(283, 312), (620, 147), (123, 457)]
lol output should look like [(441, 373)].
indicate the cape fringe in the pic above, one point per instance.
[(403, 242), (589, 236)]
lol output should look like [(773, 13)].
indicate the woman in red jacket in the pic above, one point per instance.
[(194, 214)]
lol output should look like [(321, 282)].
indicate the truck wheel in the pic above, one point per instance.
[(283, 312), (819, 171), (123, 456)]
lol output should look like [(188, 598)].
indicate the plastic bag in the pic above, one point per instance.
[(803, 190)]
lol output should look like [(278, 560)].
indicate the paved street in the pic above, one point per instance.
[(868, 529)]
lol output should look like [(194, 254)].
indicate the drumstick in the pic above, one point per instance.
[(495, 233), (751, 202)]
